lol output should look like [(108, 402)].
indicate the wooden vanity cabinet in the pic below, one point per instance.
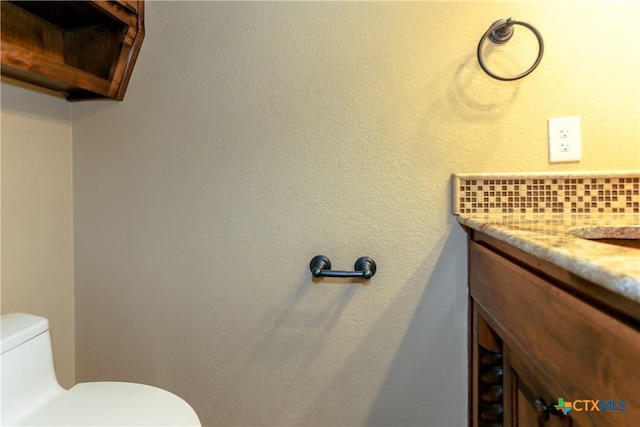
[(542, 334), (84, 49)]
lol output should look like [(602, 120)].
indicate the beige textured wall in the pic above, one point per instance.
[(256, 135), (37, 218)]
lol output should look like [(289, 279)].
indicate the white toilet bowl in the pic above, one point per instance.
[(31, 394)]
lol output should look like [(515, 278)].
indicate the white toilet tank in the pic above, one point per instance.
[(28, 377), (31, 395)]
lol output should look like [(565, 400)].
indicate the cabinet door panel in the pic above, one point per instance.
[(529, 393), (527, 415)]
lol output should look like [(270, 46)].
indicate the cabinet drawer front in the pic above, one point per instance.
[(588, 354)]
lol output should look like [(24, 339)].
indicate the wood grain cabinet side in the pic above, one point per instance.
[(84, 49), (557, 349)]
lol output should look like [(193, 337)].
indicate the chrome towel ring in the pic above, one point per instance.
[(499, 33)]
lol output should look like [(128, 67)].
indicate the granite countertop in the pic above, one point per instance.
[(537, 212), (549, 237)]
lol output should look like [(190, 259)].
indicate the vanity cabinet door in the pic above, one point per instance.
[(503, 391), (528, 400)]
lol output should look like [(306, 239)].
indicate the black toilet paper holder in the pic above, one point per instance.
[(364, 267)]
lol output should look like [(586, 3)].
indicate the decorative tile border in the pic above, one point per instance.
[(567, 192)]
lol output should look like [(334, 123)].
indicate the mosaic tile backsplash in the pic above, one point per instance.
[(584, 192)]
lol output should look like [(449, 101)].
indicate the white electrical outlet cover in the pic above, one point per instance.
[(565, 139)]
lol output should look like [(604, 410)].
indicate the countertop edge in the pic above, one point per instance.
[(618, 282)]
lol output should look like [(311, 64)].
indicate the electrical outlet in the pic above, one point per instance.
[(564, 140)]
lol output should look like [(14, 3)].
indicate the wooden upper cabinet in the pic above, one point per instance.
[(84, 49)]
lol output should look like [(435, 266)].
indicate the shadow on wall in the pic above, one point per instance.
[(417, 387), (476, 97), (310, 337), (436, 334), (292, 336)]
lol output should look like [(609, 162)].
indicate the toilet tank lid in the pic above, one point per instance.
[(18, 328)]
